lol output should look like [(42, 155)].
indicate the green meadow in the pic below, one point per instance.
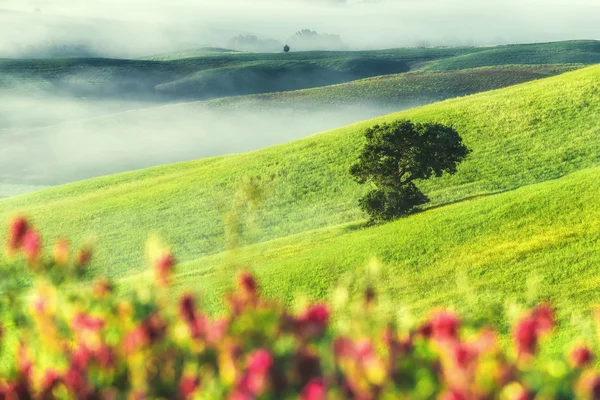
[(523, 135)]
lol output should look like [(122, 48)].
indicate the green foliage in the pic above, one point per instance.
[(67, 338), (397, 154)]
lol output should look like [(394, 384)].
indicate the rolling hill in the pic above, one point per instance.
[(400, 90), (522, 135), (578, 52), (217, 74), (209, 75)]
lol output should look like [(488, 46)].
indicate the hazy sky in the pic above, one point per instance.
[(141, 26)]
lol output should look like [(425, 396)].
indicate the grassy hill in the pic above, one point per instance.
[(584, 52), (207, 75), (401, 90), (522, 135), (475, 254)]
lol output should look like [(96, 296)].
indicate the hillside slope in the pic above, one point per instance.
[(548, 231), (578, 52), (400, 90), (520, 135), (157, 135)]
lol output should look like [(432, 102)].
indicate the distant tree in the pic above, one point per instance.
[(286, 48), (398, 154)]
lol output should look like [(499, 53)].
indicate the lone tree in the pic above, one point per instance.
[(398, 154), (286, 48)]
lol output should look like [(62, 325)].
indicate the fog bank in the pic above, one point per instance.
[(136, 27)]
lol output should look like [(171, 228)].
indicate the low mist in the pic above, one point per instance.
[(135, 28), (70, 148)]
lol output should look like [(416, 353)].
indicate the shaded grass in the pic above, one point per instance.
[(584, 52), (401, 90)]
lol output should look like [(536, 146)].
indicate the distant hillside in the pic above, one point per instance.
[(217, 73), (401, 90), (578, 52)]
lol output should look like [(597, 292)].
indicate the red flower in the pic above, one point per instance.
[(315, 390), (581, 356), (247, 284), (50, 380), (529, 329), (313, 321), (524, 394), (84, 256), (425, 330), (76, 381), (544, 318), (464, 356), (31, 245), (187, 308), (105, 356), (453, 395), (526, 336), (444, 326), (188, 385), (164, 266), (17, 230), (102, 288)]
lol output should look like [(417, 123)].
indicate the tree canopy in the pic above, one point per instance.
[(398, 154)]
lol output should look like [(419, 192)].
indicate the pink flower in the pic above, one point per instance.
[(84, 322), (164, 267), (134, 340), (314, 390), (444, 326), (260, 362), (16, 232), (343, 348), (31, 245), (255, 380), (581, 356)]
